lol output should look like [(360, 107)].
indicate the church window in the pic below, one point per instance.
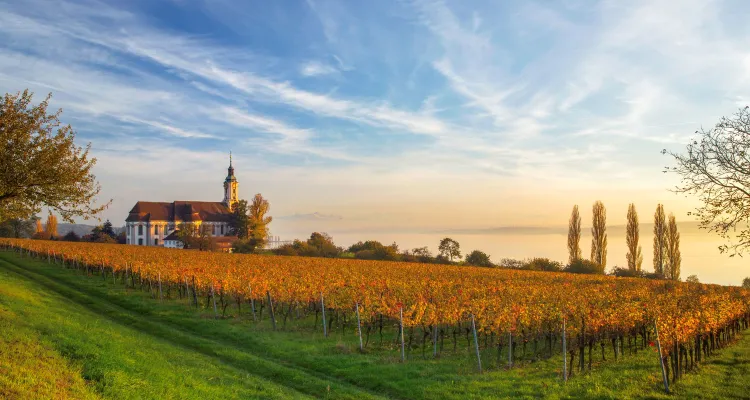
[(156, 242), (156, 230), (140, 242), (222, 230), (140, 230)]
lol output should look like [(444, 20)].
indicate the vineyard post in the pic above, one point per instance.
[(359, 328), (564, 353), (401, 333), (270, 308), (252, 302), (435, 340), (161, 296), (195, 293), (187, 290), (661, 359), (323, 307), (510, 349), (213, 297), (476, 343)]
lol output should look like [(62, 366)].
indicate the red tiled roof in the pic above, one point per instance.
[(179, 211)]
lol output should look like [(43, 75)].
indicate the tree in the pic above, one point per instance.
[(626, 273), (673, 257), (239, 222), (39, 227), (584, 267), (746, 283), (511, 263), (50, 228), (542, 264), (322, 244), (716, 169), (634, 255), (574, 235), (18, 228), (71, 236), (40, 164), (692, 279), (374, 250), (195, 237), (107, 229), (660, 240), (422, 254), (478, 258), (449, 249), (599, 235), (258, 220)]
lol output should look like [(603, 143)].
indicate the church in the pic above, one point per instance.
[(151, 223)]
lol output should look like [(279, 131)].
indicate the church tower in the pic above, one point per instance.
[(230, 187)]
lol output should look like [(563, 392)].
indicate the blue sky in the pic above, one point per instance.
[(385, 113)]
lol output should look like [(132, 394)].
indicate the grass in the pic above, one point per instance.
[(108, 341)]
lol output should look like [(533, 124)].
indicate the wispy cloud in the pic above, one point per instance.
[(316, 68)]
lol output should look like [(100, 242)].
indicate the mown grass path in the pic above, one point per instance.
[(124, 344)]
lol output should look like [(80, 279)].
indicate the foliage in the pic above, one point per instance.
[(107, 229), (449, 249), (17, 228), (599, 235), (511, 263), (746, 283), (40, 164), (318, 245), (71, 237), (692, 279), (193, 237), (574, 235), (582, 266), (258, 220), (632, 236), (542, 264), (239, 221), (673, 257), (374, 250), (715, 170), (626, 272), (660, 241), (479, 259), (247, 245)]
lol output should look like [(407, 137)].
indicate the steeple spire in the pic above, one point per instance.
[(230, 158)]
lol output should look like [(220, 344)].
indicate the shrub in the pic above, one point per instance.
[(581, 266)]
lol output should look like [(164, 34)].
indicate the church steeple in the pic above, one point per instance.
[(230, 186)]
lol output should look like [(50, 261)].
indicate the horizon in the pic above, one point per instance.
[(400, 117)]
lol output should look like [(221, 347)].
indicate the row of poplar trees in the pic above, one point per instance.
[(667, 258)]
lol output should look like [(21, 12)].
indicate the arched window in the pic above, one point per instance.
[(156, 230), (140, 242), (140, 230)]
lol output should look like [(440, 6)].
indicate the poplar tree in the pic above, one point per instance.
[(660, 240), (258, 220), (574, 236), (50, 229), (599, 235), (632, 236), (673, 256)]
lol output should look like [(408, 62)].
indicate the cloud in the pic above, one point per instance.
[(316, 216), (316, 68)]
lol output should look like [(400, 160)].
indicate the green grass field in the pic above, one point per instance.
[(67, 335)]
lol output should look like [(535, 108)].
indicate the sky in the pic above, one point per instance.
[(403, 115)]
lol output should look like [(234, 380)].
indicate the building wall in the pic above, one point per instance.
[(153, 233)]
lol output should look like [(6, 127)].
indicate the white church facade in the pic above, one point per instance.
[(151, 223)]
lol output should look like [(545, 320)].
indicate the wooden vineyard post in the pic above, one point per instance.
[(661, 359), (476, 343), (564, 353), (323, 307), (252, 302), (213, 297), (359, 328), (435, 340), (195, 293), (161, 296), (187, 290), (270, 308), (510, 349), (401, 332)]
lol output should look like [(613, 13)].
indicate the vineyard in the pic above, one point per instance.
[(518, 313)]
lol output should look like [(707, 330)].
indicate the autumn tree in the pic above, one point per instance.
[(716, 169), (258, 220), (574, 235), (746, 283), (673, 257), (449, 249), (40, 164), (660, 240), (599, 235), (632, 236), (39, 227), (693, 279)]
